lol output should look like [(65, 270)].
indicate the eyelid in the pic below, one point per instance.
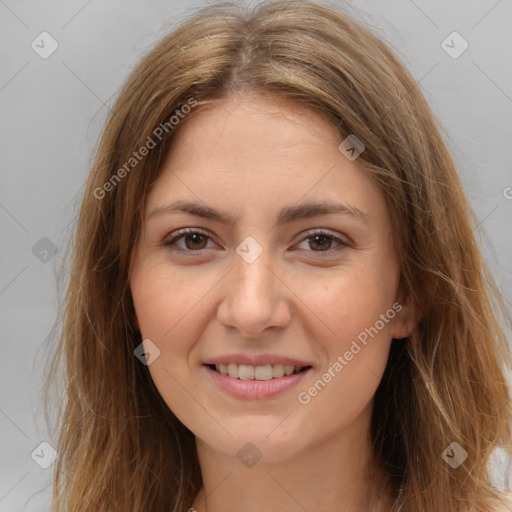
[(176, 235), (173, 237), (342, 241)]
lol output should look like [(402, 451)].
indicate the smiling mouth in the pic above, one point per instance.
[(265, 372)]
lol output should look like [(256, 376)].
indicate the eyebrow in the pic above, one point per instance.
[(285, 215)]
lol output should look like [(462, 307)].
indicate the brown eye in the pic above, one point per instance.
[(320, 242), (188, 240), (195, 241)]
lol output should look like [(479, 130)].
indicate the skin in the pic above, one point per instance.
[(249, 156)]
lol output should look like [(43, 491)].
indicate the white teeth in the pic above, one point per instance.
[(233, 371), (245, 372), (288, 369), (263, 372), (248, 372), (278, 371)]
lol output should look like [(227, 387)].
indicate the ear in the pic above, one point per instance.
[(408, 314)]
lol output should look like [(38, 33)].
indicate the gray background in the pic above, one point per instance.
[(53, 110)]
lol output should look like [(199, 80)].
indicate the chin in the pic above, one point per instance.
[(261, 440)]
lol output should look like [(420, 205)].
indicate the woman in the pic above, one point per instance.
[(277, 300)]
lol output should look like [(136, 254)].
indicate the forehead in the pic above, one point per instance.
[(242, 125), (257, 153)]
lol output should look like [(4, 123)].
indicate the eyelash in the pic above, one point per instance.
[(309, 235)]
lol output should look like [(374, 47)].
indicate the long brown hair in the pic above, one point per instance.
[(119, 445)]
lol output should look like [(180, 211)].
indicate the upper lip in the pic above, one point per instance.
[(256, 360)]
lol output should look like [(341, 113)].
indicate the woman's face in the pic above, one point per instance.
[(288, 262)]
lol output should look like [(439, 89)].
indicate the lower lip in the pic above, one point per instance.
[(256, 389)]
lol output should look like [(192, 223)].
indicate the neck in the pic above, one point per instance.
[(335, 475)]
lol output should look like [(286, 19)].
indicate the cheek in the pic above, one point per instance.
[(352, 326), (351, 303), (170, 311), (168, 304), (355, 359)]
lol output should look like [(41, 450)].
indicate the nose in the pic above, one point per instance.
[(254, 297)]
